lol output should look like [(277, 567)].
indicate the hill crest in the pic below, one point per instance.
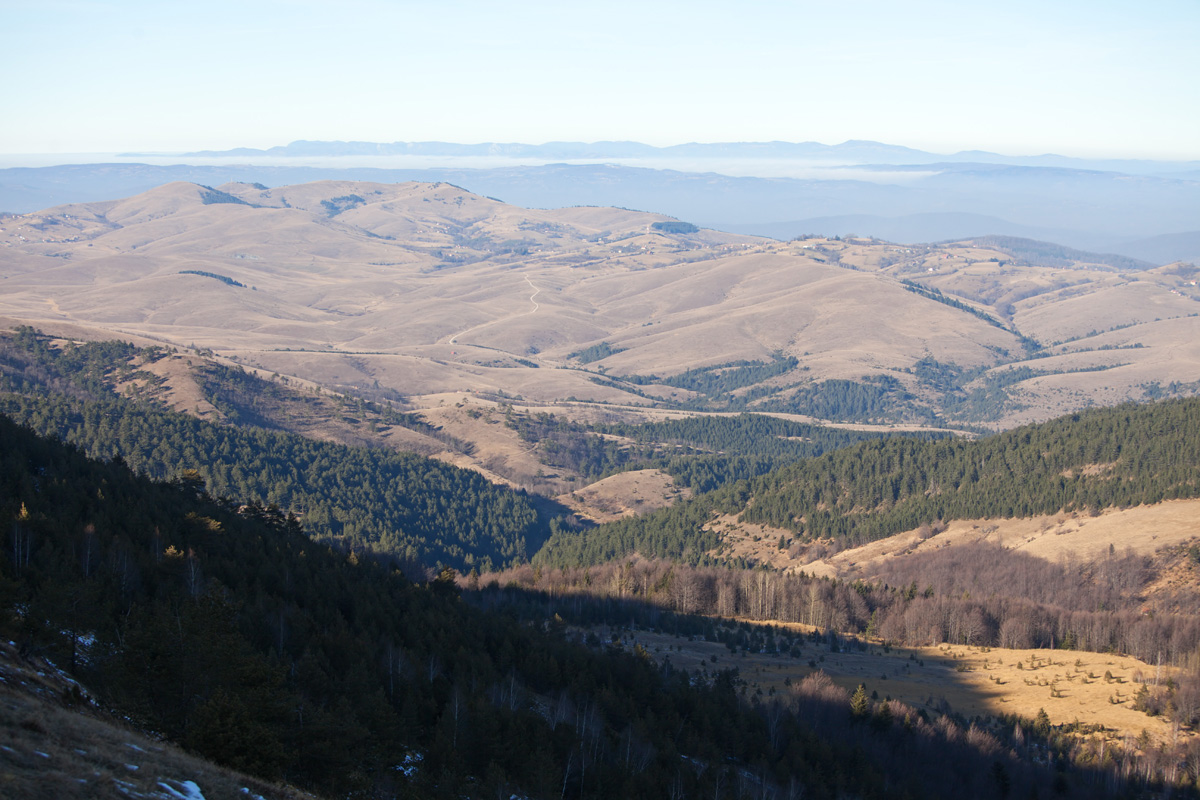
[(428, 288)]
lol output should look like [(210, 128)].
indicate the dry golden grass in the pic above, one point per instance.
[(1070, 685), (1055, 537), (624, 494), (1143, 529), (428, 289)]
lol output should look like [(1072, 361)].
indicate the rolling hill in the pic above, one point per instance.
[(425, 289)]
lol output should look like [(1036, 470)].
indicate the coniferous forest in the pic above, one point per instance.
[(225, 628), (410, 507), (1102, 458), (291, 608)]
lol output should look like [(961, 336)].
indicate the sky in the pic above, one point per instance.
[(1093, 79)]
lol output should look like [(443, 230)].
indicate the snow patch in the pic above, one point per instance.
[(182, 790), (409, 766)]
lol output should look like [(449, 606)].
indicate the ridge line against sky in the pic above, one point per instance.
[(1098, 79)]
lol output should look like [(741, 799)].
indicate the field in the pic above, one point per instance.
[(1072, 686)]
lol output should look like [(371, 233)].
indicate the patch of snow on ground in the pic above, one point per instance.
[(182, 790), (409, 767)]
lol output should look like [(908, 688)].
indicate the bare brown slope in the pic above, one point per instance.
[(425, 288), (1142, 530), (55, 742)]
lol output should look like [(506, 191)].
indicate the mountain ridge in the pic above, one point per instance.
[(426, 288), (1085, 209), (862, 148)]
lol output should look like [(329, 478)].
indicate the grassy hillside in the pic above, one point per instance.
[(426, 289)]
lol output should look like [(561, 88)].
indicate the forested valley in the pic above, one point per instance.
[(1089, 461), (413, 508), (292, 608), (223, 627), (701, 453)]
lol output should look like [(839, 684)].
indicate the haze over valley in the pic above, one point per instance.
[(1142, 209)]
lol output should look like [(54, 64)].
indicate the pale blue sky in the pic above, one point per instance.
[(1078, 78)]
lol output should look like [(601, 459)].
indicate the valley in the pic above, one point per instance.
[(642, 401), (975, 682)]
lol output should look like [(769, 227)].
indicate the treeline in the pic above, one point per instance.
[(981, 595), (674, 226), (879, 398), (718, 385), (595, 352), (747, 434), (1123, 456), (573, 446), (719, 382), (701, 452), (243, 398), (229, 631), (727, 449), (966, 594), (979, 393), (989, 399), (339, 205), (225, 279), (211, 196), (636, 594), (374, 499), (935, 294)]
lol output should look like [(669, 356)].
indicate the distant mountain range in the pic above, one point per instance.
[(849, 152), (1140, 209)]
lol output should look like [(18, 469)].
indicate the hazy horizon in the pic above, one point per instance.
[(1078, 79)]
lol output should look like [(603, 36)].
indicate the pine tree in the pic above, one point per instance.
[(1041, 723), (859, 704)]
